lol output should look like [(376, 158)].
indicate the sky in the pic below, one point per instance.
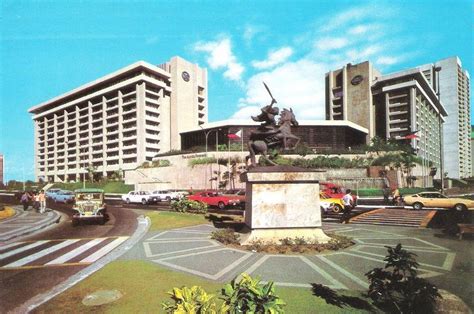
[(50, 47)]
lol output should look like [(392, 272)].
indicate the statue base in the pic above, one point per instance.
[(282, 202)]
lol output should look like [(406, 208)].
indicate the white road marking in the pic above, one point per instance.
[(64, 258), (103, 251), (10, 245), (343, 271), (335, 283), (31, 258), (22, 249)]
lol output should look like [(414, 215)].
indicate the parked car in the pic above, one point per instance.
[(51, 192), (142, 197), (436, 199), (165, 195), (89, 205), (328, 203), (181, 193), (237, 194), (63, 196), (335, 191), (215, 199)]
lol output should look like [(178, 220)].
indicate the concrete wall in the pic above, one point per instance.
[(180, 175)]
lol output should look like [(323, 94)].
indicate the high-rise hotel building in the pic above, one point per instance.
[(119, 121), (389, 106), (454, 86)]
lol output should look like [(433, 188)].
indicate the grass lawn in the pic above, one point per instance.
[(171, 220), (6, 212), (144, 286)]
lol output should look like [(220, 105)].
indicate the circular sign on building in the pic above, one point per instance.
[(356, 80), (185, 75)]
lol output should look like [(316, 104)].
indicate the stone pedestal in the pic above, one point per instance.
[(282, 202)]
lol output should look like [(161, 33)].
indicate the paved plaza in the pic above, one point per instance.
[(191, 250)]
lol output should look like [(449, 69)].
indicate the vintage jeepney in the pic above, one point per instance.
[(89, 205)]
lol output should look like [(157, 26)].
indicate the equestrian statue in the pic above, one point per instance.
[(270, 134)]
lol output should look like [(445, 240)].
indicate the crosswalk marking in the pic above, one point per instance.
[(40, 254), (10, 245), (112, 245), (64, 258), (22, 249)]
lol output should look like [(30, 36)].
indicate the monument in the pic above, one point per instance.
[(281, 201)]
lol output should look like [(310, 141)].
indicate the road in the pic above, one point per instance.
[(48, 258), (43, 260)]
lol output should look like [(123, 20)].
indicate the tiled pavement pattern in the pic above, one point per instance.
[(192, 251), (48, 253), (25, 222)]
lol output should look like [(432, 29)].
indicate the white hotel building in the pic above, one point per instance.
[(119, 121)]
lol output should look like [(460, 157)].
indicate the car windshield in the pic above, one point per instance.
[(89, 196)]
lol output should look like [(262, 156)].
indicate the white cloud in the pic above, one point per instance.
[(220, 56), (353, 36), (274, 58), (331, 43), (298, 85), (345, 17), (387, 60)]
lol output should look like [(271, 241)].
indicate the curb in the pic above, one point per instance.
[(17, 213), (142, 228), (54, 218)]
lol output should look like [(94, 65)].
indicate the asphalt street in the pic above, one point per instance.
[(47, 258)]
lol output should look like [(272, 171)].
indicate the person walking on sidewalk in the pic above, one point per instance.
[(42, 200), (347, 200), (25, 200)]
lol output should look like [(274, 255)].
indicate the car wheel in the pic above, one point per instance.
[(168, 199), (127, 201), (337, 208), (417, 206), (460, 207), (221, 205), (144, 201)]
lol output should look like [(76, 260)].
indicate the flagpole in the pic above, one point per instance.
[(242, 139)]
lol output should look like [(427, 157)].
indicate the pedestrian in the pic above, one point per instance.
[(25, 200), (347, 200), (36, 201), (386, 194), (42, 201)]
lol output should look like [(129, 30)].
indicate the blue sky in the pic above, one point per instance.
[(50, 47)]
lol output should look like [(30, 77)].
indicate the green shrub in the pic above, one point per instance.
[(370, 192), (161, 163), (397, 288), (256, 246), (249, 296), (226, 236), (202, 161), (189, 206), (190, 300)]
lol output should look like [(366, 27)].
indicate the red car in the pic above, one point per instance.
[(215, 199), (335, 191)]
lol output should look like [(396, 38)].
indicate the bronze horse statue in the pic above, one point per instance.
[(278, 136)]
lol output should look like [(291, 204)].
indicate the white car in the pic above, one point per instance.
[(142, 197), (164, 195)]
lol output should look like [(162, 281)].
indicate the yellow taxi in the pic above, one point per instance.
[(330, 203), (435, 199)]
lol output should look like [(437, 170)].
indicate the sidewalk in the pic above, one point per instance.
[(25, 222), (191, 250)]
